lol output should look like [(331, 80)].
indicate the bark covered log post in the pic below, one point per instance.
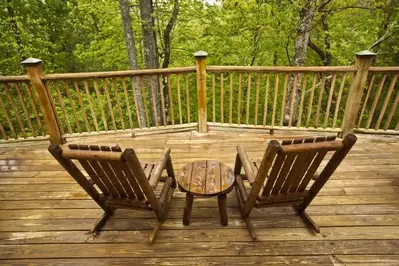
[(200, 57), (33, 67), (363, 62)]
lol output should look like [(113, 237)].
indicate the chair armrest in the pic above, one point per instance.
[(246, 164), (159, 168)]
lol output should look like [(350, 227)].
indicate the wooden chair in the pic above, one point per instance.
[(285, 173), (118, 180)]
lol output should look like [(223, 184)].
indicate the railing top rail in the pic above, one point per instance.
[(126, 73), (14, 78), (281, 69), (384, 69)]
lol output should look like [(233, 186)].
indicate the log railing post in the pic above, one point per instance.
[(363, 62), (200, 57), (34, 69)]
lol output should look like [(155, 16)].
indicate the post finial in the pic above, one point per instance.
[(365, 53), (31, 62), (200, 54)]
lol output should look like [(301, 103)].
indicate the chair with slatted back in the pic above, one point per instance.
[(287, 174), (116, 179)]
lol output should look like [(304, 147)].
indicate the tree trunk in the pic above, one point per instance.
[(132, 55), (150, 56), (301, 44), (166, 51)]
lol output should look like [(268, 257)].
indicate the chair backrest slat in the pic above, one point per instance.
[(297, 161), (303, 164), (289, 159), (121, 175), (273, 174), (112, 173), (132, 180)]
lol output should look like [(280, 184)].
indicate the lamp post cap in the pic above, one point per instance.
[(31, 61), (365, 53), (201, 54)]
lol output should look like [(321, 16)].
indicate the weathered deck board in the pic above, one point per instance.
[(45, 216)]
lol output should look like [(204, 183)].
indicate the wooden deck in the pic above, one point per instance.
[(45, 215)]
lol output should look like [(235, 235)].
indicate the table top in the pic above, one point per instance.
[(208, 178)]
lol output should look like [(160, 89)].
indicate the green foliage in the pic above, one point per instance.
[(86, 35)]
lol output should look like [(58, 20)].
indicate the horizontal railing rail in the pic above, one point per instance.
[(342, 99)]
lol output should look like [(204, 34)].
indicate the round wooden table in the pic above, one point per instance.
[(205, 178)]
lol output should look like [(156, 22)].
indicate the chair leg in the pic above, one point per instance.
[(246, 219), (250, 228), (306, 218), (97, 226), (154, 232)]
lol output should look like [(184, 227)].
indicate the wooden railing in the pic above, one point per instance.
[(256, 96), (338, 99), (379, 112)]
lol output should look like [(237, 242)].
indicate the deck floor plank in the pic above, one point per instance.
[(45, 216)]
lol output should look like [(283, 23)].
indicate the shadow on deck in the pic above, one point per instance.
[(45, 216)]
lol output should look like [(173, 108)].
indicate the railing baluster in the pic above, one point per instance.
[(7, 118), (135, 103), (365, 100), (129, 112), (391, 113), (221, 97), (321, 92), (257, 98), (275, 100), (310, 105), (33, 104), (341, 88), (303, 89), (248, 98), (213, 98), (3, 133), (111, 111), (62, 105), (153, 100), (329, 100), (21, 99), (178, 98), (376, 98), (82, 106), (283, 99), (386, 101), (100, 103), (293, 95), (172, 115), (53, 108), (239, 99), (266, 99), (14, 108), (231, 99), (142, 88), (68, 92), (161, 88), (118, 104), (93, 114), (188, 100)]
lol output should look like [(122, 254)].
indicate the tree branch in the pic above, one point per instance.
[(315, 48), (385, 37)]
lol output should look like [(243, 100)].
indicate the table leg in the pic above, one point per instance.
[(187, 208), (222, 209)]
